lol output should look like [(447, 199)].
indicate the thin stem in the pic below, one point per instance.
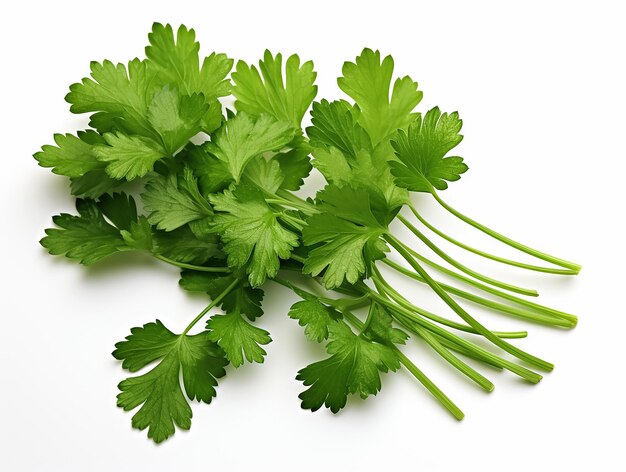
[(461, 267), (519, 353), (399, 299), (184, 265), (493, 257), (292, 220), (544, 315), (275, 200), (519, 246), (415, 371), (457, 363), (523, 372), (215, 301)]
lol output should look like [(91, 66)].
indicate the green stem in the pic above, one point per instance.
[(461, 267), (215, 302), (519, 353), (416, 372), (454, 361), (400, 300), (523, 372), (544, 315), (486, 255), (275, 200), (510, 242), (183, 265)]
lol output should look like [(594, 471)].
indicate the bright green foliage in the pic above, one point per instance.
[(252, 235), (242, 299), (379, 327), (315, 317), (295, 164), (286, 99), (159, 393), (128, 156), (264, 174), (354, 367), (174, 200), (238, 337), (120, 95), (344, 155), (72, 156), (176, 118), (176, 62), (422, 150), (244, 137), (182, 245), (348, 235), (368, 81)]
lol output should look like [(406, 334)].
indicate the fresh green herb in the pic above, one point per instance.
[(218, 201)]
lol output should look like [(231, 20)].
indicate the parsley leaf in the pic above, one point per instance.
[(243, 137), (176, 118), (243, 298), (422, 151), (128, 156), (238, 338), (182, 245), (348, 235), (315, 317), (163, 404), (121, 95), (354, 367), (253, 237), (379, 327), (72, 156), (176, 61), (174, 200), (267, 92), (367, 81)]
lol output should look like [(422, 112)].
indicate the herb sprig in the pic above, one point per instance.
[(222, 207)]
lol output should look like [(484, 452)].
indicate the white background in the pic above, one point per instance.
[(540, 86)]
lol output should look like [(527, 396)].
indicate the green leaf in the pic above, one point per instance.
[(238, 338), (176, 61), (177, 118), (86, 238), (368, 81), (182, 245), (379, 327), (93, 184), (264, 174), (252, 235), (242, 299), (139, 235), (345, 237), (335, 124), (174, 200), (128, 157), (213, 175), (159, 393), (315, 317), (121, 96), (243, 137), (295, 164), (286, 99), (72, 156), (422, 150), (354, 367)]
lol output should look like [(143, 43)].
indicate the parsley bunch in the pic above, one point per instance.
[(217, 190)]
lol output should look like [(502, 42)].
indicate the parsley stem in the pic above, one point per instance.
[(510, 242), (515, 351), (461, 267), (275, 200), (400, 300), (402, 312), (543, 315), (503, 260), (454, 361), (415, 371), (215, 301), (184, 265)]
